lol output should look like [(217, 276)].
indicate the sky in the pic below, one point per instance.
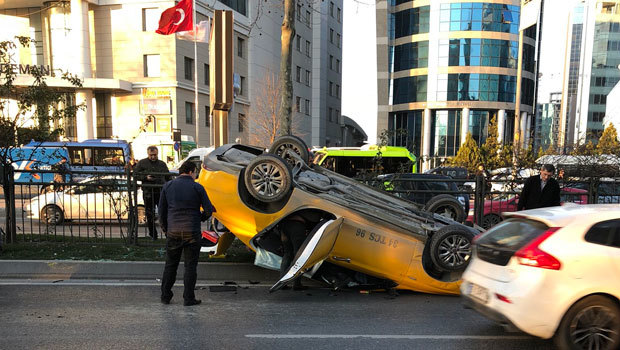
[(359, 65), (359, 59)]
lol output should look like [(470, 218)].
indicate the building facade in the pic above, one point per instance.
[(591, 69), (139, 85), (316, 69), (446, 68), (547, 122)]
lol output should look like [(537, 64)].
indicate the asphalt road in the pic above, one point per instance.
[(128, 315)]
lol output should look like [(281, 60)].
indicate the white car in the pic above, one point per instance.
[(92, 199), (551, 272)]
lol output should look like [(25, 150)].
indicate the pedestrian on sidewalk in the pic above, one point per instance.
[(180, 217), (540, 191), (151, 172)]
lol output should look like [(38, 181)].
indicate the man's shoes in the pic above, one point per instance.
[(165, 301), (192, 302)]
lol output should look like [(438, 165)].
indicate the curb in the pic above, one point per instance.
[(131, 270)]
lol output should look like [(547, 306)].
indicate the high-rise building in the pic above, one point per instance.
[(547, 122), (139, 85), (591, 69), (316, 67), (446, 68)]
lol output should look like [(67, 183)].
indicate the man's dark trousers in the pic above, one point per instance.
[(190, 249), (151, 199)]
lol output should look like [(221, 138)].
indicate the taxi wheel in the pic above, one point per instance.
[(289, 143), (593, 322), (450, 248), (268, 178)]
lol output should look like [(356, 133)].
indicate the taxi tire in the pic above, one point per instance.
[(449, 202), (449, 236), (282, 143), (266, 166), (563, 337)]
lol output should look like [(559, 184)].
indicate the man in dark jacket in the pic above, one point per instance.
[(540, 191), (151, 172), (180, 217)]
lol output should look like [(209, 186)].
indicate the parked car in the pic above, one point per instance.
[(607, 189), (494, 208), (93, 199), (195, 156), (503, 180), (551, 272), (437, 193), (362, 231), (467, 181)]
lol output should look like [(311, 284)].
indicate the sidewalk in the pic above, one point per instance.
[(133, 270)]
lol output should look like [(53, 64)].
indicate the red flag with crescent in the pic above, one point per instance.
[(176, 19)]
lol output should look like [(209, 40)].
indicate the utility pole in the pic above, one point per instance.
[(221, 74)]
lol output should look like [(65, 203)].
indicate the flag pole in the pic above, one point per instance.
[(196, 75)]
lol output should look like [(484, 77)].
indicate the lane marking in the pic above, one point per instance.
[(388, 336)]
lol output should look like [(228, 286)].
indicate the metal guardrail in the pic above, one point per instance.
[(115, 207), (110, 207)]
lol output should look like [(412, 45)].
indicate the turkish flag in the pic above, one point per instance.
[(176, 19)]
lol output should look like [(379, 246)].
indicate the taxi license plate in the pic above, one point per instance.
[(479, 293)]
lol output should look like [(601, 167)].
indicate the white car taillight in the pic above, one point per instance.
[(532, 255)]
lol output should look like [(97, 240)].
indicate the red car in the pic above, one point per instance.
[(493, 208)]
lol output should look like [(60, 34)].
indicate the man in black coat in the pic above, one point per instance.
[(152, 172), (540, 191)]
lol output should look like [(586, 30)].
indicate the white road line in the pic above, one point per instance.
[(387, 336)]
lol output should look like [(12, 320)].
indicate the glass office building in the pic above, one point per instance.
[(446, 68), (593, 58)]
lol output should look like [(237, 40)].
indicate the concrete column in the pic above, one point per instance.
[(80, 45), (426, 139), (59, 39), (501, 124), (464, 124), (527, 133), (523, 128), (85, 117)]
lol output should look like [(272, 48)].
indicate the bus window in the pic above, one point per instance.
[(109, 156), (80, 156), (396, 165)]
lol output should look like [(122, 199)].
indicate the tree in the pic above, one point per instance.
[(524, 158), (286, 57), (608, 143), (27, 112), (468, 155), (489, 152), (266, 124)]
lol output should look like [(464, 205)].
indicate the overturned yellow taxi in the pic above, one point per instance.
[(363, 235)]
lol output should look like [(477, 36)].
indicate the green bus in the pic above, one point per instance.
[(356, 161)]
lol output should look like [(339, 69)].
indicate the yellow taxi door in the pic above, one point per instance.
[(316, 248)]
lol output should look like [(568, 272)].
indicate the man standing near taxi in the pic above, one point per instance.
[(180, 217), (151, 171), (540, 190)]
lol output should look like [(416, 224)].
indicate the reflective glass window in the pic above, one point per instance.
[(480, 16), (409, 89), (409, 22)]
